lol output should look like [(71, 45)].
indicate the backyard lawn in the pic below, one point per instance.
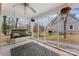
[(71, 38)]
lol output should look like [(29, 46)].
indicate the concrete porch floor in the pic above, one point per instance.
[(40, 48), (32, 49)]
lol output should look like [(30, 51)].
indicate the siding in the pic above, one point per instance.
[(71, 21)]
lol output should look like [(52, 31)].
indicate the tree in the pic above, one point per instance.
[(65, 23), (17, 19), (4, 26), (65, 11)]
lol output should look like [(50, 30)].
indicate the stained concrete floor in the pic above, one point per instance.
[(32, 49)]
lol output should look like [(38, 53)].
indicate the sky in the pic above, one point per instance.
[(24, 21), (75, 12), (43, 21)]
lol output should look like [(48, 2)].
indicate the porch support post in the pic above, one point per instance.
[(38, 30), (32, 27), (44, 33)]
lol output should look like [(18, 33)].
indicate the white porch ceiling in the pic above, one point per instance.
[(7, 9), (40, 8)]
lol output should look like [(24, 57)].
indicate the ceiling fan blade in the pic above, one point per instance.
[(32, 9), (26, 5)]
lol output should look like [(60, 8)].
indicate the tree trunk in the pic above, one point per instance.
[(64, 29), (17, 19), (65, 22), (4, 25)]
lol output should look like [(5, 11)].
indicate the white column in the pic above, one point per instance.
[(0, 23), (0, 8), (58, 34), (32, 27), (0, 18), (38, 30)]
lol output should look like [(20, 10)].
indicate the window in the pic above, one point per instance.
[(71, 26)]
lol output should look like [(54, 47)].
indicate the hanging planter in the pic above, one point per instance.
[(65, 10)]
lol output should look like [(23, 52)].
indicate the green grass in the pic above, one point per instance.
[(60, 37)]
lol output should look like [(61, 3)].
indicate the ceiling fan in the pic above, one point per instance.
[(25, 5)]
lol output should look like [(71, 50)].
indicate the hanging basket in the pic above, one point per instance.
[(65, 10)]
